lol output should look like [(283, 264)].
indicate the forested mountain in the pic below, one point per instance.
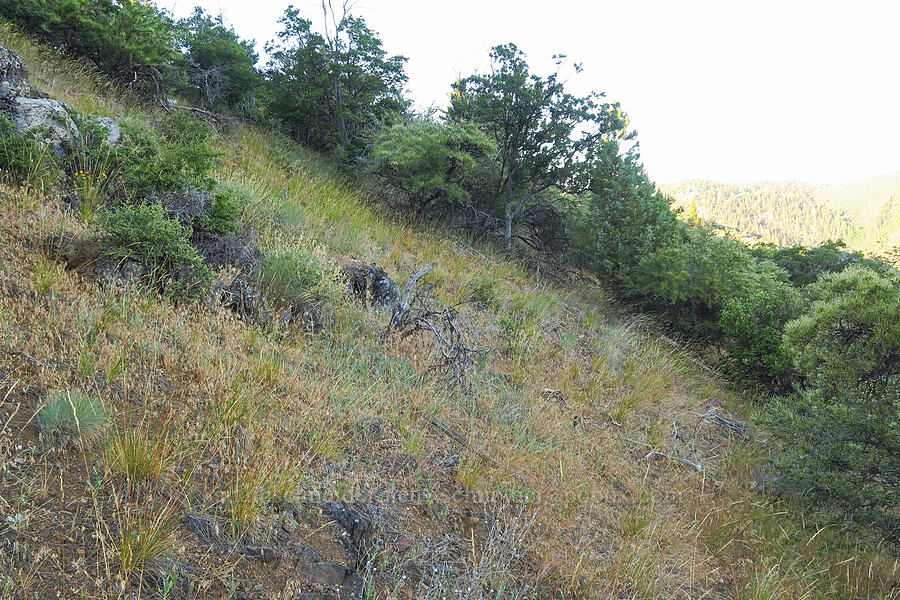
[(866, 214)]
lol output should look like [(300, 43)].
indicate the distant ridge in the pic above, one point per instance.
[(865, 214)]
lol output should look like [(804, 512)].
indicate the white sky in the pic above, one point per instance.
[(721, 89)]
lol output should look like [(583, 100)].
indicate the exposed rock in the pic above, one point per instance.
[(240, 297), (339, 582), (76, 253), (403, 544), (357, 527), (13, 75), (113, 131), (125, 271), (50, 119), (261, 553), (370, 283)]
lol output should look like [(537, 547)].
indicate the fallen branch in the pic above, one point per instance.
[(461, 440)]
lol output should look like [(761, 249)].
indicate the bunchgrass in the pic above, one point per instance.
[(139, 455), (72, 413), (147, 534)]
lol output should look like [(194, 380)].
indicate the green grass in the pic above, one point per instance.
[(72, 413)]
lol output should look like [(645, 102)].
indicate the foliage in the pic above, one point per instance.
[(690, 278), (71, 413), (220, 64), (430, 162), (622, 218), (331, 92), (806, 265), (865, 214), (841, 437), (23, 159), (143, 233), (752, 325), (297, 276), (545, 136), (178, 154), (224, 208), (133, 42)]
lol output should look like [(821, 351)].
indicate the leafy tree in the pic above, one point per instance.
[(545, 136), (133, 42), (330, 94), (221, 65), (621, 218), (429, 162), (841, 437)]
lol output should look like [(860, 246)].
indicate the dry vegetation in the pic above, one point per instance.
[(583, 462)]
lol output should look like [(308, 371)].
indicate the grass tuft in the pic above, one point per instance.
[(72, 413)]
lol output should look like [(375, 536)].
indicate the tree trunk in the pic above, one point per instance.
[(507, 234)]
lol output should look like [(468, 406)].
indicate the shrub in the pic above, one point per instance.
[(690, 278), (224, 208), (841, 435), (429, 162), (143, 233), (166, 160), (23, 159), (753, 325), (72, 413), (298, 277)]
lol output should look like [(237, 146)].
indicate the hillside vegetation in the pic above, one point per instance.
[(199, 397), (865, 215)]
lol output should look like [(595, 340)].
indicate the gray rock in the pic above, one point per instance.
[(49, 118), (113, 131), (336, 582), (13, 75)]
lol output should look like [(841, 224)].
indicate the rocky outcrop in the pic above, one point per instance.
[(13, 75), (50, 119)]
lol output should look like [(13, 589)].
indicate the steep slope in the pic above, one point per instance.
[(589, 458), (866, 214)]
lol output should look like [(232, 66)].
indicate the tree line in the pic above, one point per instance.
[(516, 158)]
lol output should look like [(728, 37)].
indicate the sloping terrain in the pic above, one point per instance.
[(582, 456), (865, 214)]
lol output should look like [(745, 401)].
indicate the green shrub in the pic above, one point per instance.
[(143, 233), (690, 279), (840, 437), (71, 413), (299, 277), (753, 325), (23, 159), (178, 154), (430, 162), (225, 208)]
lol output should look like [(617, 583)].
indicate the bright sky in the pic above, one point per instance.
[(721, 89)]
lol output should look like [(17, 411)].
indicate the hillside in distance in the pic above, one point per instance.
[(865, 214)]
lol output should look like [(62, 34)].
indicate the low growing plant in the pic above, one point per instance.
[(24, 160), (72, 413), (144, 233)]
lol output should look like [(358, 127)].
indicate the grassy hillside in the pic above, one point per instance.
[(865, 214), (590, 458)]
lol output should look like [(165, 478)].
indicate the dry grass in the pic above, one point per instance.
[(226, 432)]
